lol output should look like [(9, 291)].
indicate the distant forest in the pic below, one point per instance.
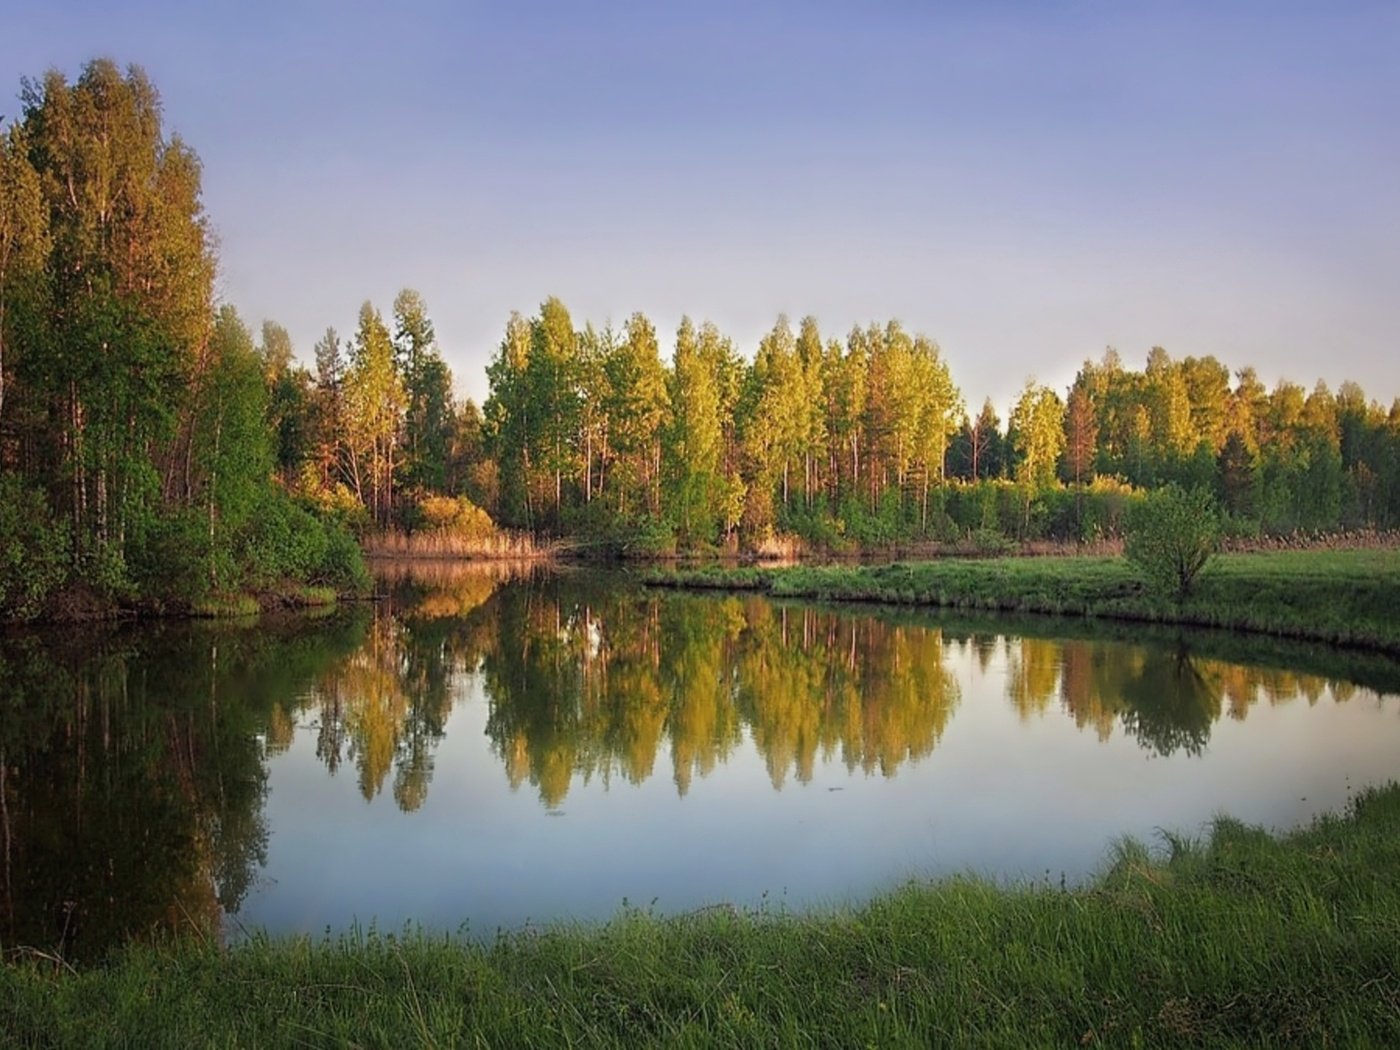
[(151, 444)]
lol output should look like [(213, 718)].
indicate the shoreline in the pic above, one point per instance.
[(1344, 598), (1242, 937)]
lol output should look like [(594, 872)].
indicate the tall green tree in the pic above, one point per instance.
[(24, 248), (694, 440), (553, 388), (775, 417), (1208, 390), (1037, 422), (374, 404), (511, 423), (327, 422), (232, 441), (130, 273), (427, 382), (723, 360), (639, 405), (276, 351), (1168, 401), (595, 400), (846, 389), (978, 451), (1081, 434), (289, 398), (938, 405), (810, 420)]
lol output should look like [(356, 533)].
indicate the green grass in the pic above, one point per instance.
[(225, 606), (310, 597), (1243, 939), (1339, 597)]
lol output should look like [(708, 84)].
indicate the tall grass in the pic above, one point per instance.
[(444, 543), (1242, 939)]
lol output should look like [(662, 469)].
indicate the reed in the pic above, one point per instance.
[(445, 543)]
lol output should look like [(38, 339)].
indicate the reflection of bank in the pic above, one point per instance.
[(591, 680), (435, 587), (132, 764), (132, 776), (1166, 697)]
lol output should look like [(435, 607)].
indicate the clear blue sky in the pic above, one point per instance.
[(1027, 183)]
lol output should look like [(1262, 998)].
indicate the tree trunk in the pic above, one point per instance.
[(588, 465), (5, 830), (213, 484), (2, 345)]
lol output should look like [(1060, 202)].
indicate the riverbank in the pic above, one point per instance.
[(1242, 939), (80, 604), (1340, 597)]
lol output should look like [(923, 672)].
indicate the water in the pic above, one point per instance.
[(488, 750)]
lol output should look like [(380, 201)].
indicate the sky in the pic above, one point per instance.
[(1026, 183)]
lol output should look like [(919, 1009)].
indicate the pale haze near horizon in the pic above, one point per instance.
[(1026, 186)]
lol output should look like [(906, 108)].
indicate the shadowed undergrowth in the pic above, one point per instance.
[(1241, 938)]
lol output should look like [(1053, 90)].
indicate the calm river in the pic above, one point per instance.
[(486, 750)]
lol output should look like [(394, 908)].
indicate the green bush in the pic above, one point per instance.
[(816, 526), (285, 541), (1171, 536), (650, 538), (342, 565), (881, 527), (171, 556), (989, 541), (34, 550)]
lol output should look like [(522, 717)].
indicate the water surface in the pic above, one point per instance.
[(498, 749)]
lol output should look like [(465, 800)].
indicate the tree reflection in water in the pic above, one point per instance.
[(134, 773), (133, 763)]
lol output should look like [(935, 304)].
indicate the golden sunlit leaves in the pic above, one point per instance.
[(590, 682)]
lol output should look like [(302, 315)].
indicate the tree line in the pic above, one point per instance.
[(592, 433), (150, 442), (866, 440)]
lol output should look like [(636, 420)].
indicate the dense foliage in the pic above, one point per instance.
[(1171, 536), (136, 456), (161, 440), (865, 441), (858, 443)]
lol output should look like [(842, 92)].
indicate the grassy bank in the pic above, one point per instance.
[(1346, 597), (1244, 939), (240, 603)]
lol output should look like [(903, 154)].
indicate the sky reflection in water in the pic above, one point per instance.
[(502, 748)]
